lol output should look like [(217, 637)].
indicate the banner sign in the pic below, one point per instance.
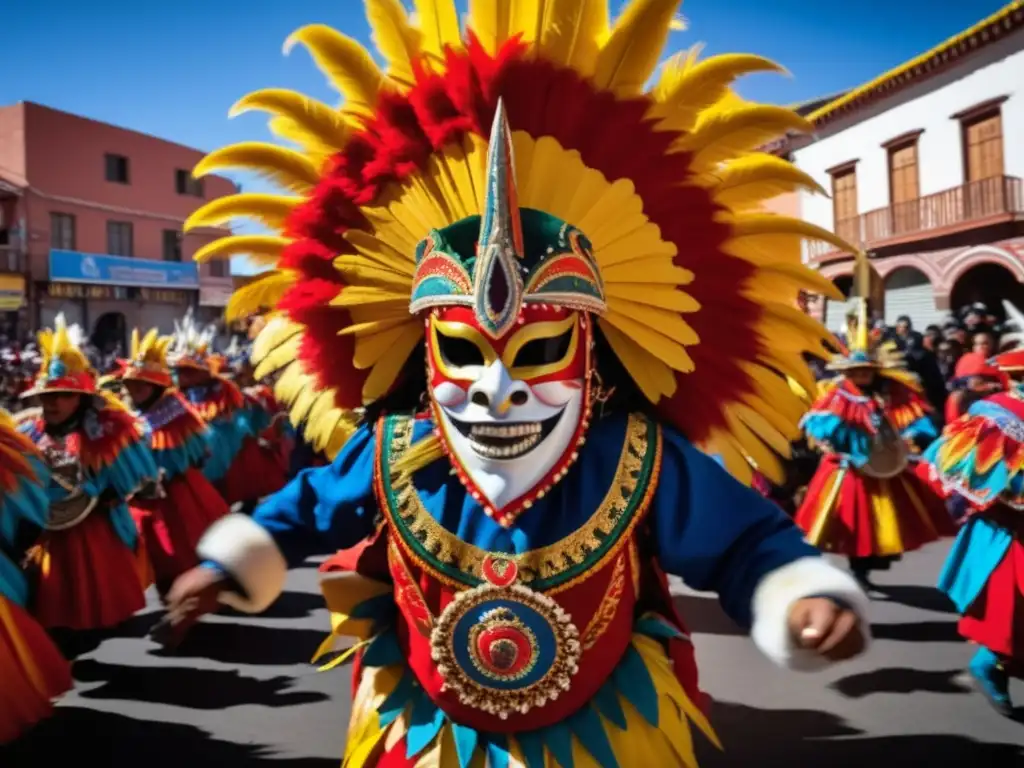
[(75, 267)]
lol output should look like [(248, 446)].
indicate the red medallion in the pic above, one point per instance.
[(499, 571)]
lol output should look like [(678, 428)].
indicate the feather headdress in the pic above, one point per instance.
[(665, 182), (190, 345), (64, 366), (148, 361)]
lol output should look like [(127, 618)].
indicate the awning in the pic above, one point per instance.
[(12, 292)]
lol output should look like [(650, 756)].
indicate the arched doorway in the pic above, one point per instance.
[(835, 311), (109, 333), (908, 291), (989, 284)]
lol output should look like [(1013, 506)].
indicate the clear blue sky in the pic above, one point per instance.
[(172, 69)]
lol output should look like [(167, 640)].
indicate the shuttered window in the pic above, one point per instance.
[(903, 188), (844, 203), (983, 147)]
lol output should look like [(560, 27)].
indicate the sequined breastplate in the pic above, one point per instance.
[(67, 473), (514, 642)]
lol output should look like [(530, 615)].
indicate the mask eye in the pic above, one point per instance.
[(544, 351), (458, 353)]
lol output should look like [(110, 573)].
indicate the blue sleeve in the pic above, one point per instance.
[(715, 533), (325, 509), (825, 427)]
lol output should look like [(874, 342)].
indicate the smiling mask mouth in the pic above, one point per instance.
[(504, 441)]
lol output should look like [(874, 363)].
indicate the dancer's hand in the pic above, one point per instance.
[(824, 626), (194, 594)]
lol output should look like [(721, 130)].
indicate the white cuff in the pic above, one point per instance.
[(247, 552), (775, 595)]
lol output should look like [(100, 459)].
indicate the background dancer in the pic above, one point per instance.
[(865, 502), (32, 671), (173, 512), (980, 460), (88, 568)]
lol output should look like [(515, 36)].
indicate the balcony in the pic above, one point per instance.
[(977, 204)]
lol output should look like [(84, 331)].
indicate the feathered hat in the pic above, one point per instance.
[(190, 345), (148, 360), (63, 367), (693, 286)]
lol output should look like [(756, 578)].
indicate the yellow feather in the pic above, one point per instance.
[(749, 181), (686, 88), (653, 294), (755, 226), (396, 39), (804, 278), (652, 376), (667, 322), (347, 65), (311, 145), (311, 115), (439, 24), (490, 21), (751, 445), (260, 249), (660, 346), (269, 210), (135, 343), (572, 32), (285, 167), (262, 293), (274, 333), (724, 134), (382, 376), (629, 58)]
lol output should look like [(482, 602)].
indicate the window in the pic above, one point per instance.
[(119, 238), (184, 184), (62, 231), (219, 268), (844, 203), (983, 146), (117, 168), (172, 245), (903, 187)]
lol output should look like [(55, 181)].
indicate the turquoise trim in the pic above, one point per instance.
[(630, 679)]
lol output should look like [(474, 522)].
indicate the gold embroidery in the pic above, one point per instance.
[(407, 592), (545, 562), (605, 613)]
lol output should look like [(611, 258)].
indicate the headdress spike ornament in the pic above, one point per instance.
[(497, 282)]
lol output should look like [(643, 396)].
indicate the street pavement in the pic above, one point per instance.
[(240, 693)]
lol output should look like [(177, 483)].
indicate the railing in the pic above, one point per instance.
[(951, 210)]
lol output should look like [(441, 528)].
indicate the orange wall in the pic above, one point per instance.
[(63, 160)]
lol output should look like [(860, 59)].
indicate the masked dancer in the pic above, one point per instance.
[(509, 260)]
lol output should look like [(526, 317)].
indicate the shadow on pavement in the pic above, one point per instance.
[(703, 615), (923, 598), (806, 739), (918, 632), (75, 643), (290, 605), (204, 689), (79, 736), (900, 680), (248, 644)]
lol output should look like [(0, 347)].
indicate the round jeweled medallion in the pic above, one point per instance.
[(504, 648)]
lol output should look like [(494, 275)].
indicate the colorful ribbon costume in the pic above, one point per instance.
[(89, 568), (173, 513), (481, 314), (865, 501), (32, 670), (980, 459)]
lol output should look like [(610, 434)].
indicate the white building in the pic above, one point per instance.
[(924, 166)]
